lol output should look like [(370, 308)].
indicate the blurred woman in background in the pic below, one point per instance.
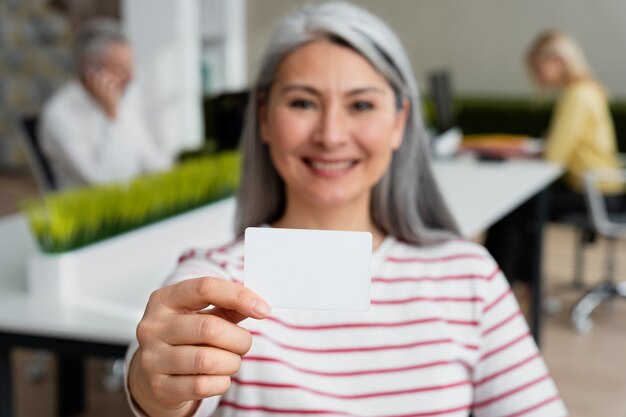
[(581, 135)]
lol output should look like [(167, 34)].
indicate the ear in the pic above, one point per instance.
[(402, 115)]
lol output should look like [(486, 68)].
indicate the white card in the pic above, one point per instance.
[(309, 269)]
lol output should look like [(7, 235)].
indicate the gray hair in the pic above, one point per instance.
[(92, 40), (406, 203)]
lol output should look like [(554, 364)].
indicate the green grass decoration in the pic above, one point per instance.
[(75, 218)]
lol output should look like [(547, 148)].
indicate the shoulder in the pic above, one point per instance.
[(585, 91), (225, 261), (63, 102)]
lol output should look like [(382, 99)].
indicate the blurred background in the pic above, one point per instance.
[(193, 59)]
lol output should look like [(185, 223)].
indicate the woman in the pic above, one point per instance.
[(334, 140), (581, 135)]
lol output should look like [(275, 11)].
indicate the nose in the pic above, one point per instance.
[(332, 131)]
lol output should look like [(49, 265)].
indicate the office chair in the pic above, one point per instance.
[(36, 158), (612, 226)]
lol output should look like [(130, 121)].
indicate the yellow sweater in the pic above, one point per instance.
[(582, 136)]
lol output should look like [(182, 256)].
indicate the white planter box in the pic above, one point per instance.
[(118, 274)]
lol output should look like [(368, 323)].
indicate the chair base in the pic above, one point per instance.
[(581, 313)]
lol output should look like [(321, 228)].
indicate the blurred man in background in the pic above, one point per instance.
[(94, 130)]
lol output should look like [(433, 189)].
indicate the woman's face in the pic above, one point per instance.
[(331, 123), (549, 71)]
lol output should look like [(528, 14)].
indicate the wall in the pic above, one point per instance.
[(481, 41), (166, 37), (34, 61)]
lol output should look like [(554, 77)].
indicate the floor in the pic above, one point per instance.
[(589, 369)]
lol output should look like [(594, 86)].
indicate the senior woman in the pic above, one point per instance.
[(334, 140)]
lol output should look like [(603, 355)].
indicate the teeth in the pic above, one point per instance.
[(331, 166)]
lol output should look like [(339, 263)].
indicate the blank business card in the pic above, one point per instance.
[(309, 269)]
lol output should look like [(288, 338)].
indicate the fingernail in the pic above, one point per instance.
[(261, 308)]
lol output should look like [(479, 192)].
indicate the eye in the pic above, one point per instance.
[(362, 105), (303, 104)]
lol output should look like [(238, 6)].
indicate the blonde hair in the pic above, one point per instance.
[(551, 44)]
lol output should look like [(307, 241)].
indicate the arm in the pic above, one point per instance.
[(510, 375), (567, 123)]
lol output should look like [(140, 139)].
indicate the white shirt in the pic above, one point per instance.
[(85, 147), (444, 336)]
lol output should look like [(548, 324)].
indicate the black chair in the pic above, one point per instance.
[(36, 158)]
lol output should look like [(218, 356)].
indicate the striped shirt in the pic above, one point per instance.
[(444, 336)]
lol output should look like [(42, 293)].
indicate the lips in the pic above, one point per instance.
[(330, 168)]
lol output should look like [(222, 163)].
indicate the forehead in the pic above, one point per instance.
[(118, 51), (324, 62)]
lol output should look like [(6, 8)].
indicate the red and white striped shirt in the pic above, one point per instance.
[(444, 337)]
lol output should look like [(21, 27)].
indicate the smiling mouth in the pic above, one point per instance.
[(330, 166)]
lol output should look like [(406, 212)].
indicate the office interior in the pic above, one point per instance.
[(195, 60)]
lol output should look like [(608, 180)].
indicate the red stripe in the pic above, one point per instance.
[(502, 323), (533, 407), (398, 280), (505, 346), (357, 373), (365, 348), (293, 411), (223, 248), (439, 259), (493, 274), (186, 256), (497, 300), (511, 392), (507, 370), (273, 410), (429, 299), (377, 394), (370, 324)]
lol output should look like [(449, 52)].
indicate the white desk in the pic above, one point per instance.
[(481, 193), (478, 194)]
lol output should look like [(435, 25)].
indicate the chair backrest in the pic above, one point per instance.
[(596, 203), (36, 158)]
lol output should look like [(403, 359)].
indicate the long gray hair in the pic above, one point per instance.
[(406, 203)]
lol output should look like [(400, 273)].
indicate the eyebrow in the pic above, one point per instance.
[(311, 90)]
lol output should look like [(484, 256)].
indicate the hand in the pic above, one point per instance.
[(186, 353), (106, 89)]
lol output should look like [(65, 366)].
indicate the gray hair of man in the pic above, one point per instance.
[(92, 40), (406, 202)]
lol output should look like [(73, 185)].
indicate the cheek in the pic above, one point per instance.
[(286, 130), (377, 137)]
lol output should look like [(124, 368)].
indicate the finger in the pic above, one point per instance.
[(228, 315), (192, 360), (177, 389), (206, 329), (198, 293)]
